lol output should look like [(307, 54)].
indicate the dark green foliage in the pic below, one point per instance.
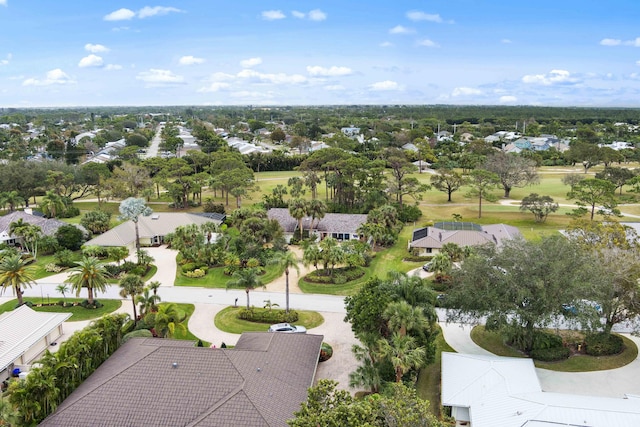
[(65, 258), (552, 354), (47, 245), (60, 373), (96, 304), (96, 221), (326, 351), (408, 213), (603, 344), (267, 316), (414, 258), (69, 237), (545, 340), (340, 275), (210, 206), (364, 309)]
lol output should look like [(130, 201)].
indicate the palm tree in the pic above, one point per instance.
[(90, 274), (441, 263), (131, 209), (16, 273), (154, 287), (168, 320), (52, 204), (316, 209), (402, 317), (246, 278), (131, 285), (148, 301), (298, 209), (403, 354), (63, 289), (311, 255), (28, 233), (286, 260)]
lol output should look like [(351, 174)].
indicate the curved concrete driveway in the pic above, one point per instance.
[(610, 383)]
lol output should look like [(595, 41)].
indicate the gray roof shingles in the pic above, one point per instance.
[(49, 226), (259, 383), (330, 223)]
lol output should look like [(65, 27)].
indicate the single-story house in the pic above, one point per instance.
[(337, 225), (163, 382), (494, 391), (152, 229), (24, 335), (49, 226), (429, 240)]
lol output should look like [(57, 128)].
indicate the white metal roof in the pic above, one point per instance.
[(22, 328), (505, 392)]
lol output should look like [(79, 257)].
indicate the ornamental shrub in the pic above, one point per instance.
[(603, 344), (262, 315), (326, 351), (550, 354), (543, 340)]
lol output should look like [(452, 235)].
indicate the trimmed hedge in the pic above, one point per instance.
[(603, 344), (545, 340), (550, 354), (340, 275), (415, 258), (263, 315)]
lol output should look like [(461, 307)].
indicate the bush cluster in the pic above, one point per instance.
[(65, 258), (603, 344), (326, 351), (550, 354), (340, 275), (61, 303), (545, 340), (417, 258), (53, 268), (100, 252), (96, 304), (197, 273), (127, 267), (263, 315)]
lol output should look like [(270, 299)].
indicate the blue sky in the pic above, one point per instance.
[(211, 52)]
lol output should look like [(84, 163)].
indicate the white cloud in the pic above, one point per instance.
[(53, 77), (428, 43), (635, 42), (190, 60), (508, 99), (6, 60), (317, 15), (147, 11), (158, 77), (120, 15), (552, 78), (251, 94), (465, 91), (385, 85), (90, 61), (386, 44), (399, 29), (3, 2), (251, 62), (272, 15), (333, 71), (112, 67), (215, 87), (334, 87), (416, 15), (273, 78), (506, 41), (297, 14), (218, 77), (95, 48), (125, 14), (610, 42)]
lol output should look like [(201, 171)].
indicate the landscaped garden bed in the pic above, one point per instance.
[(70, 305), (228, 320)]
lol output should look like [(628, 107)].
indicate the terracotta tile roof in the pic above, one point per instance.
[(261, 382)]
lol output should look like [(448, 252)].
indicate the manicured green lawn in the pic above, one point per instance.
[(227, 321), (493, 342), (40, 264), (78, 312), (428, 384), (215, 278)]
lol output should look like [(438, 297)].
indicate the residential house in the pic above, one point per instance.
[(24, 335), (337, 225), (350, 131), (494, 391), (410, 147), (162, 382), (49, 226), (429, 240), (152, 229)]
